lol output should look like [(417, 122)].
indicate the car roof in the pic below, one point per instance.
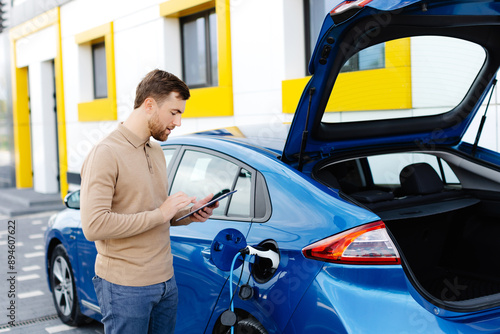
[(262, 137)]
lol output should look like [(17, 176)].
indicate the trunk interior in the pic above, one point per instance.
[(447, 236), (454, 255)]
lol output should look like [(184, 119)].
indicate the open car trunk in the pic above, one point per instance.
[(387, 112), (447, 236), (453, 255)]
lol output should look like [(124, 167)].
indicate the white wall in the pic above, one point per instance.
[(265, 52), (469, 58), (43, 128)]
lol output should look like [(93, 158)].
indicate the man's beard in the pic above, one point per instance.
[(157, 132)]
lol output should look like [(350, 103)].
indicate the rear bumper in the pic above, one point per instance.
[(372, 299)]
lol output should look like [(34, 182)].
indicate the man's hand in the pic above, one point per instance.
[(206, 212), (174, 203)]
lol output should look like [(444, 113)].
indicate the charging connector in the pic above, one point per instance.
[(266, 254)]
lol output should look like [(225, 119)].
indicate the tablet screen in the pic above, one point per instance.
[(217, 197)]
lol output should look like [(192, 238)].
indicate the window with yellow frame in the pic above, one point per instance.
[(97, 74), (212, 94), (199, 49)]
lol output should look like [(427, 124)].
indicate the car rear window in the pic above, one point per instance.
[(413, 77), (386, 168)]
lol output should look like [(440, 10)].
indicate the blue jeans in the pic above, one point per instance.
[(128, 309)]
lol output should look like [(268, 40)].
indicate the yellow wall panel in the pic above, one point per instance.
[(397, 53), (97, 110), (379, 89), (101, 109), (61, 114), (94, 34), (179, 8), (291, 93), (391, 90), (210, 101), (22, 132)]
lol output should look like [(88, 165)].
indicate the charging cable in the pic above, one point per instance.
[(231, 286), (253, 252)]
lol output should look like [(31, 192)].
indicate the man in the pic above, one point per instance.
[(126, 211)]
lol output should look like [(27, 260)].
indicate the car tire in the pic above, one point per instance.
[(248, 326), (64, 289)]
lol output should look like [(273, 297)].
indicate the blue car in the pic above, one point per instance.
[(377, 210)]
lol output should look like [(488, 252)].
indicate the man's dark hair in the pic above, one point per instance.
[(159, 84)]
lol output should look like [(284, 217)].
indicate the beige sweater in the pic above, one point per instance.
[(124, 182)]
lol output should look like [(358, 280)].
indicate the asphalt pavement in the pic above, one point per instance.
[(26, 304)]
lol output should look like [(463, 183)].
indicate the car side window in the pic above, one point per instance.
[(200, 174), (240, 204), (169, 154)]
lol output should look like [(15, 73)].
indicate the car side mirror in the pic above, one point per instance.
[(72, 200)]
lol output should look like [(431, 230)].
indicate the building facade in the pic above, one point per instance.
[(7, 175), (75, 64)]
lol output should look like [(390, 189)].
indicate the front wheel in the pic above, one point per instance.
[(64, 289)]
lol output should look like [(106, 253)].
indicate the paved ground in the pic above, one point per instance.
[(16, 202), (24, 294)]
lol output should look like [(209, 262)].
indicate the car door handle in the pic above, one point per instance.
[(206, 253)]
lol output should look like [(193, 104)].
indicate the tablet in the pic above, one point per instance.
[(217, 197)]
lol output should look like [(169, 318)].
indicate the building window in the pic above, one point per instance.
[(99, 71), (367, 59), (314, 13), (212, 93), (199, 49), (96, 72)]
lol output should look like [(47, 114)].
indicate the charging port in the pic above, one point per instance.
[(262, 269)]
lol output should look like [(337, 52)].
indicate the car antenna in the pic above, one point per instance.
[(483, 120), (305, 133)]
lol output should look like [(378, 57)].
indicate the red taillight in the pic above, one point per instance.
[(366, 244), (346, 5)]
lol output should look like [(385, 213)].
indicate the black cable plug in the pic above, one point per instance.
[(244, 251)]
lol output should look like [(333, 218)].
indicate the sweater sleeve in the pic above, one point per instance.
[(99, 175)]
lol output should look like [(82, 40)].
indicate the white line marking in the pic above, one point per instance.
[(38, 247), (59, 328), (28, 277), (37, 222), (35, 254), (31, 268), (36, 236), (4, 242), (35, 293)]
